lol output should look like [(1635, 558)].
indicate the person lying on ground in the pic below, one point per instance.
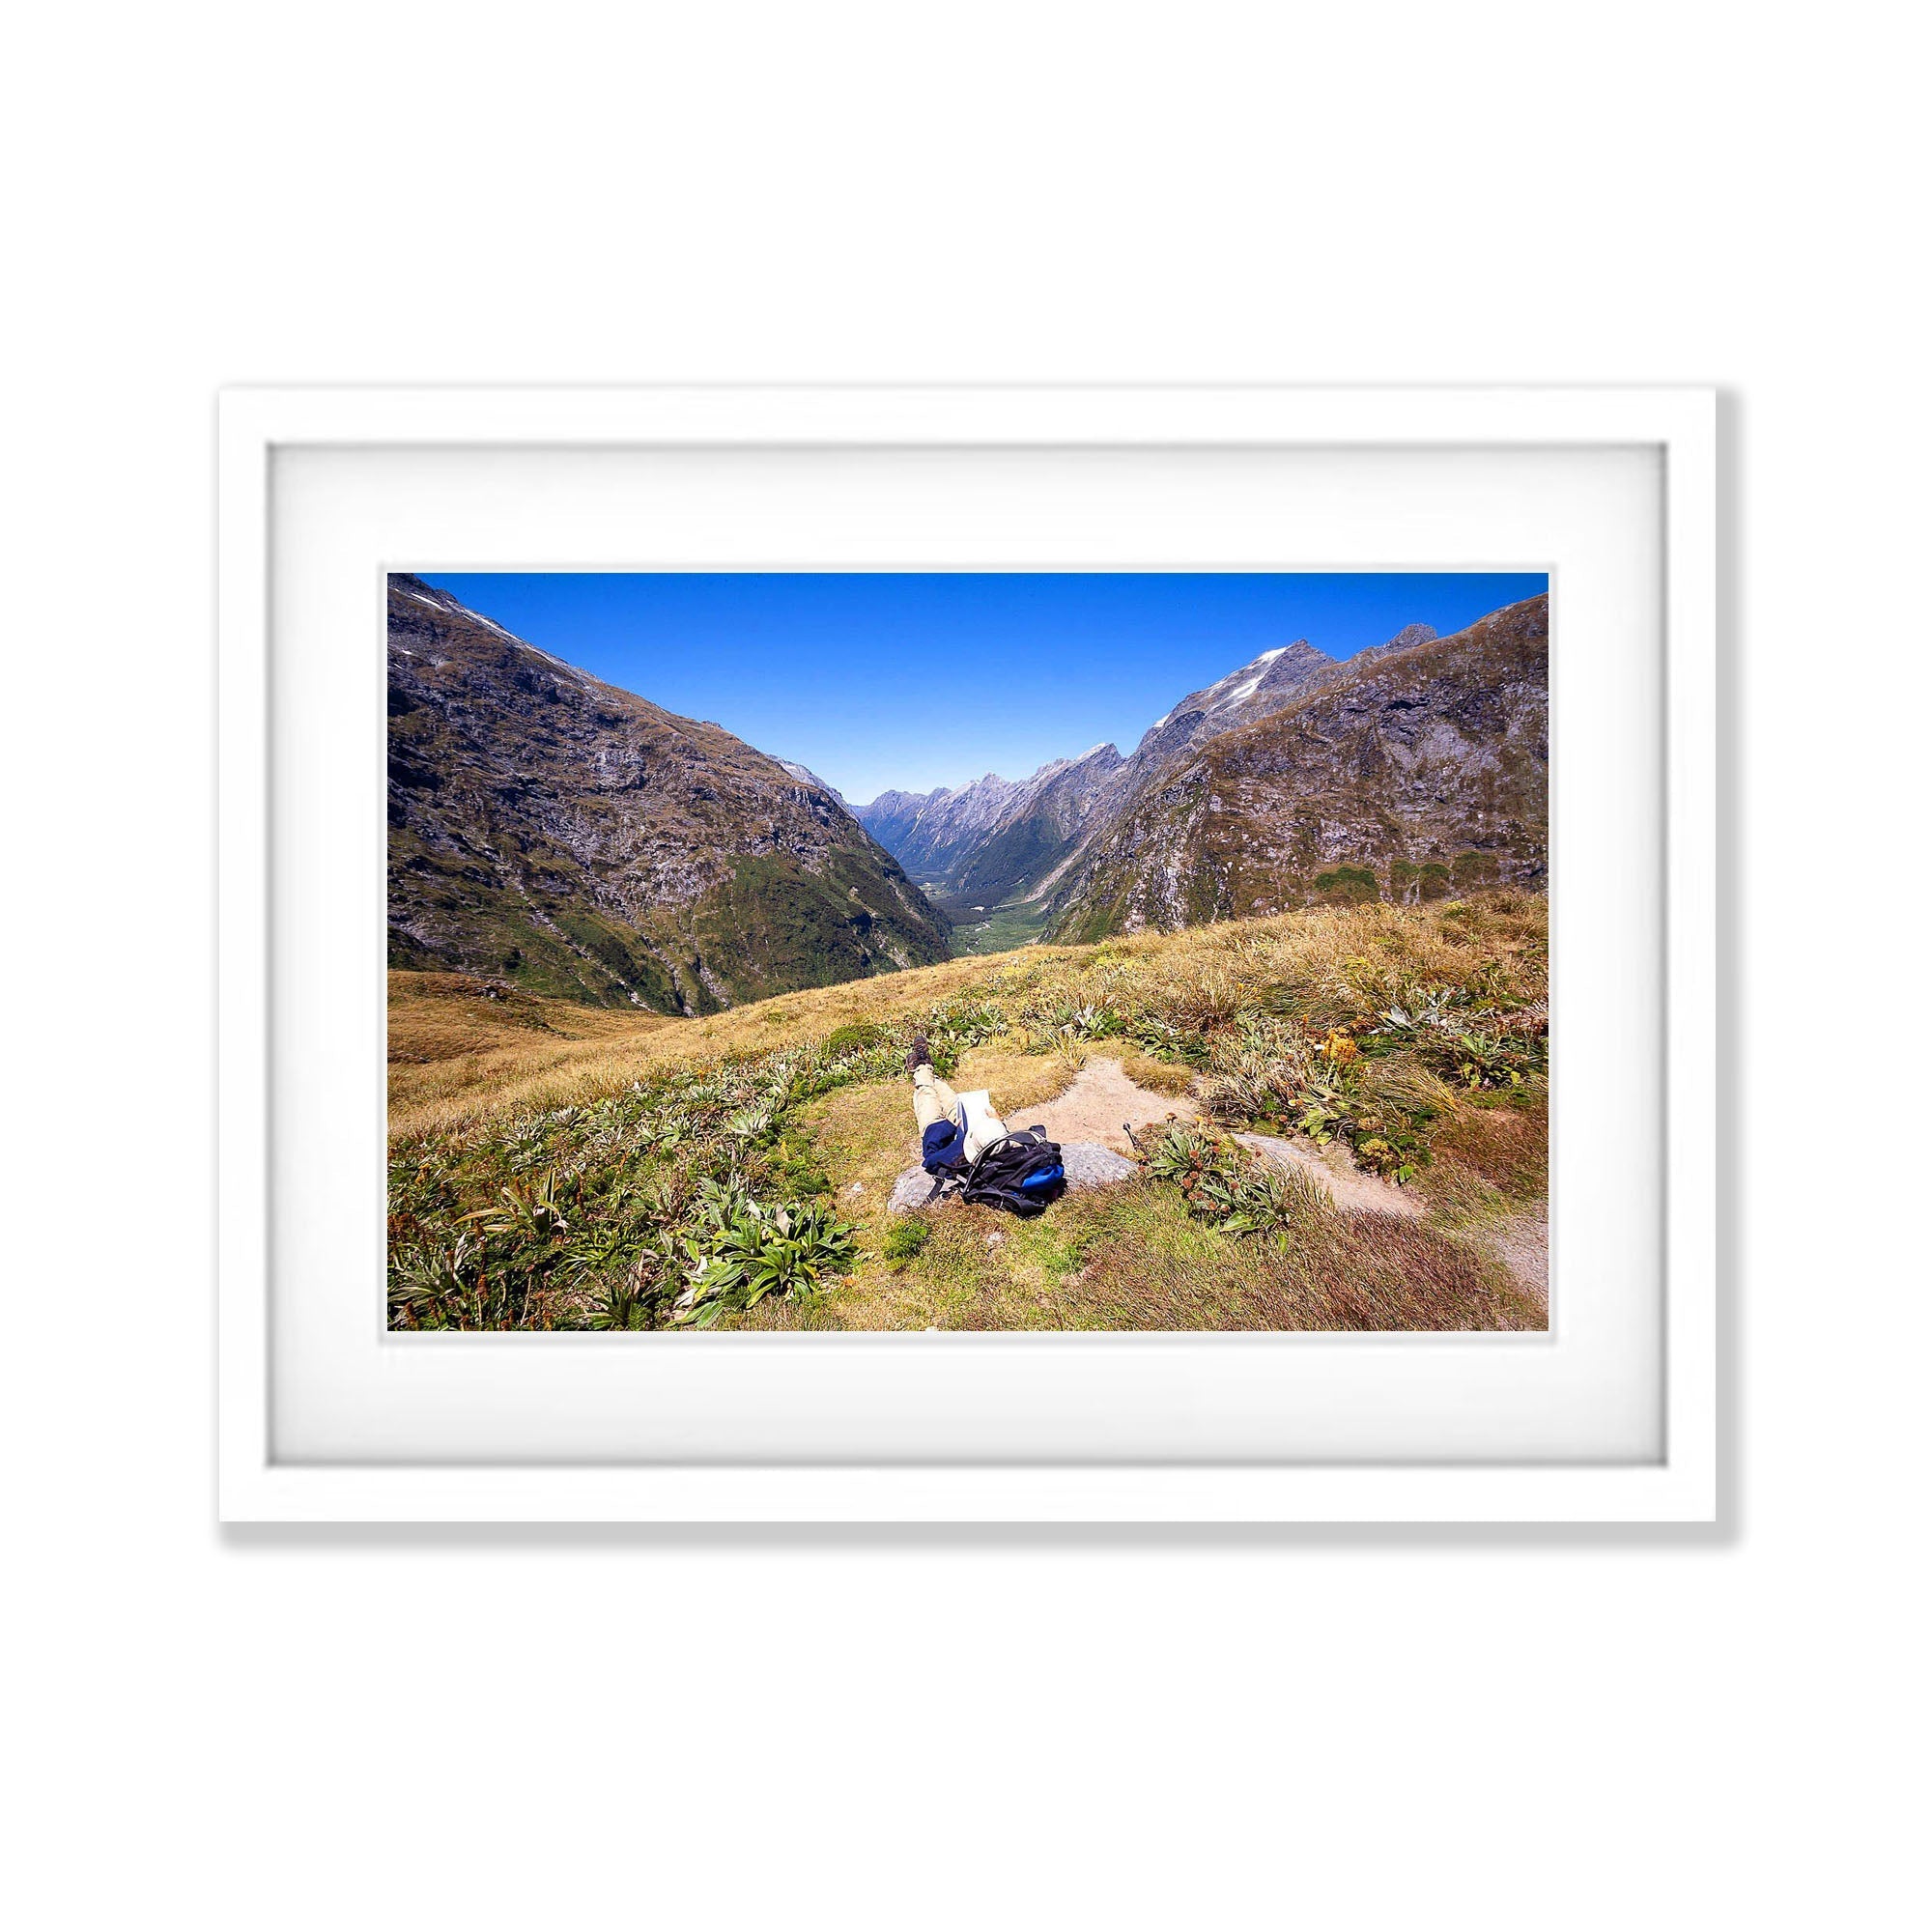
[(954, 1127)]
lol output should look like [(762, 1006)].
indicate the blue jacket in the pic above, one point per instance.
[(942, 1147)]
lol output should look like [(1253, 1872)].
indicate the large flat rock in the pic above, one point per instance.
[(1088, 1164)]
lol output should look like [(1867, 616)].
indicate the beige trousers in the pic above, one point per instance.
[(932, 1099)]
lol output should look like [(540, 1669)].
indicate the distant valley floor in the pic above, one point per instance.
[(979, 929)]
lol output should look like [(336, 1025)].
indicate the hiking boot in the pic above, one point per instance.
[(918, 1055)]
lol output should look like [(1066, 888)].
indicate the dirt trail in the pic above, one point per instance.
[(1102, 1098), (1347, 1184), (1093, 1109)]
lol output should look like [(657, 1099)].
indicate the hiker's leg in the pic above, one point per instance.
[(932, 1099)]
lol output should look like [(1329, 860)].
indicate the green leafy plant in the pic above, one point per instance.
[(627, 1304), (752, 1251), (1484, 1059), (1233, 1190), (1419, 1010), (1059, 1011), (526, 1211), (427, 1284), (904, 1240)]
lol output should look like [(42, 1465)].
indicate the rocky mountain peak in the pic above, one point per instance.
[(1410, 634), (1251, 691)]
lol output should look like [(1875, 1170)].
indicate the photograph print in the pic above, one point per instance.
[(948, 952)]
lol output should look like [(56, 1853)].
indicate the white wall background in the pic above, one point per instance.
[(589, 1729)]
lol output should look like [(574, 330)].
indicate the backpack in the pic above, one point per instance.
[(1020, 1172)]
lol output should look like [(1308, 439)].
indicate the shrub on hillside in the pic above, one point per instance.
[(1232, 1189), (745, 1251), (904, 1239), (853, 1038)]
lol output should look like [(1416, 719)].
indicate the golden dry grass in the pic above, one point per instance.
[(454, 1060), (472, 1064), (457, 1057)]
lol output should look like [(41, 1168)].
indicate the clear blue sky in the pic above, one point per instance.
[(911, 681)]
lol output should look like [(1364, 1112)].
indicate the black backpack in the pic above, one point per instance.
[(1020, 1172)]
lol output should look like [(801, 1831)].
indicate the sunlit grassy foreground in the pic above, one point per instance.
[(554, 1165)]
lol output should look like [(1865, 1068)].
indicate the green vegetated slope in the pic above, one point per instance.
[(577, 840), (556, 1167), (1417, 770)]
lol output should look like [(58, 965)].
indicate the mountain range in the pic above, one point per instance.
[(1410, 768), (550, 827), (554, 829)]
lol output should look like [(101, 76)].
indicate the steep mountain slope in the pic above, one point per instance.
[(933, 833), (988, 845), (1404, 772), (1050, 813), (553, 829), (806, 776)]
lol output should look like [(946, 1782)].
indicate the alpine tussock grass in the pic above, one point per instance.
[(461, 1050), (562, 1165)]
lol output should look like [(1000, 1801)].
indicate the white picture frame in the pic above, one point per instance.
[(1675, 428)]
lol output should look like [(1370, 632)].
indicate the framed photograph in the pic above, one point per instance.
[(968, 955)]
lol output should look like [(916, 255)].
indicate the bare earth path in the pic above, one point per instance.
[(1103, 1099), (1347, 1184), (1094, 1108)]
